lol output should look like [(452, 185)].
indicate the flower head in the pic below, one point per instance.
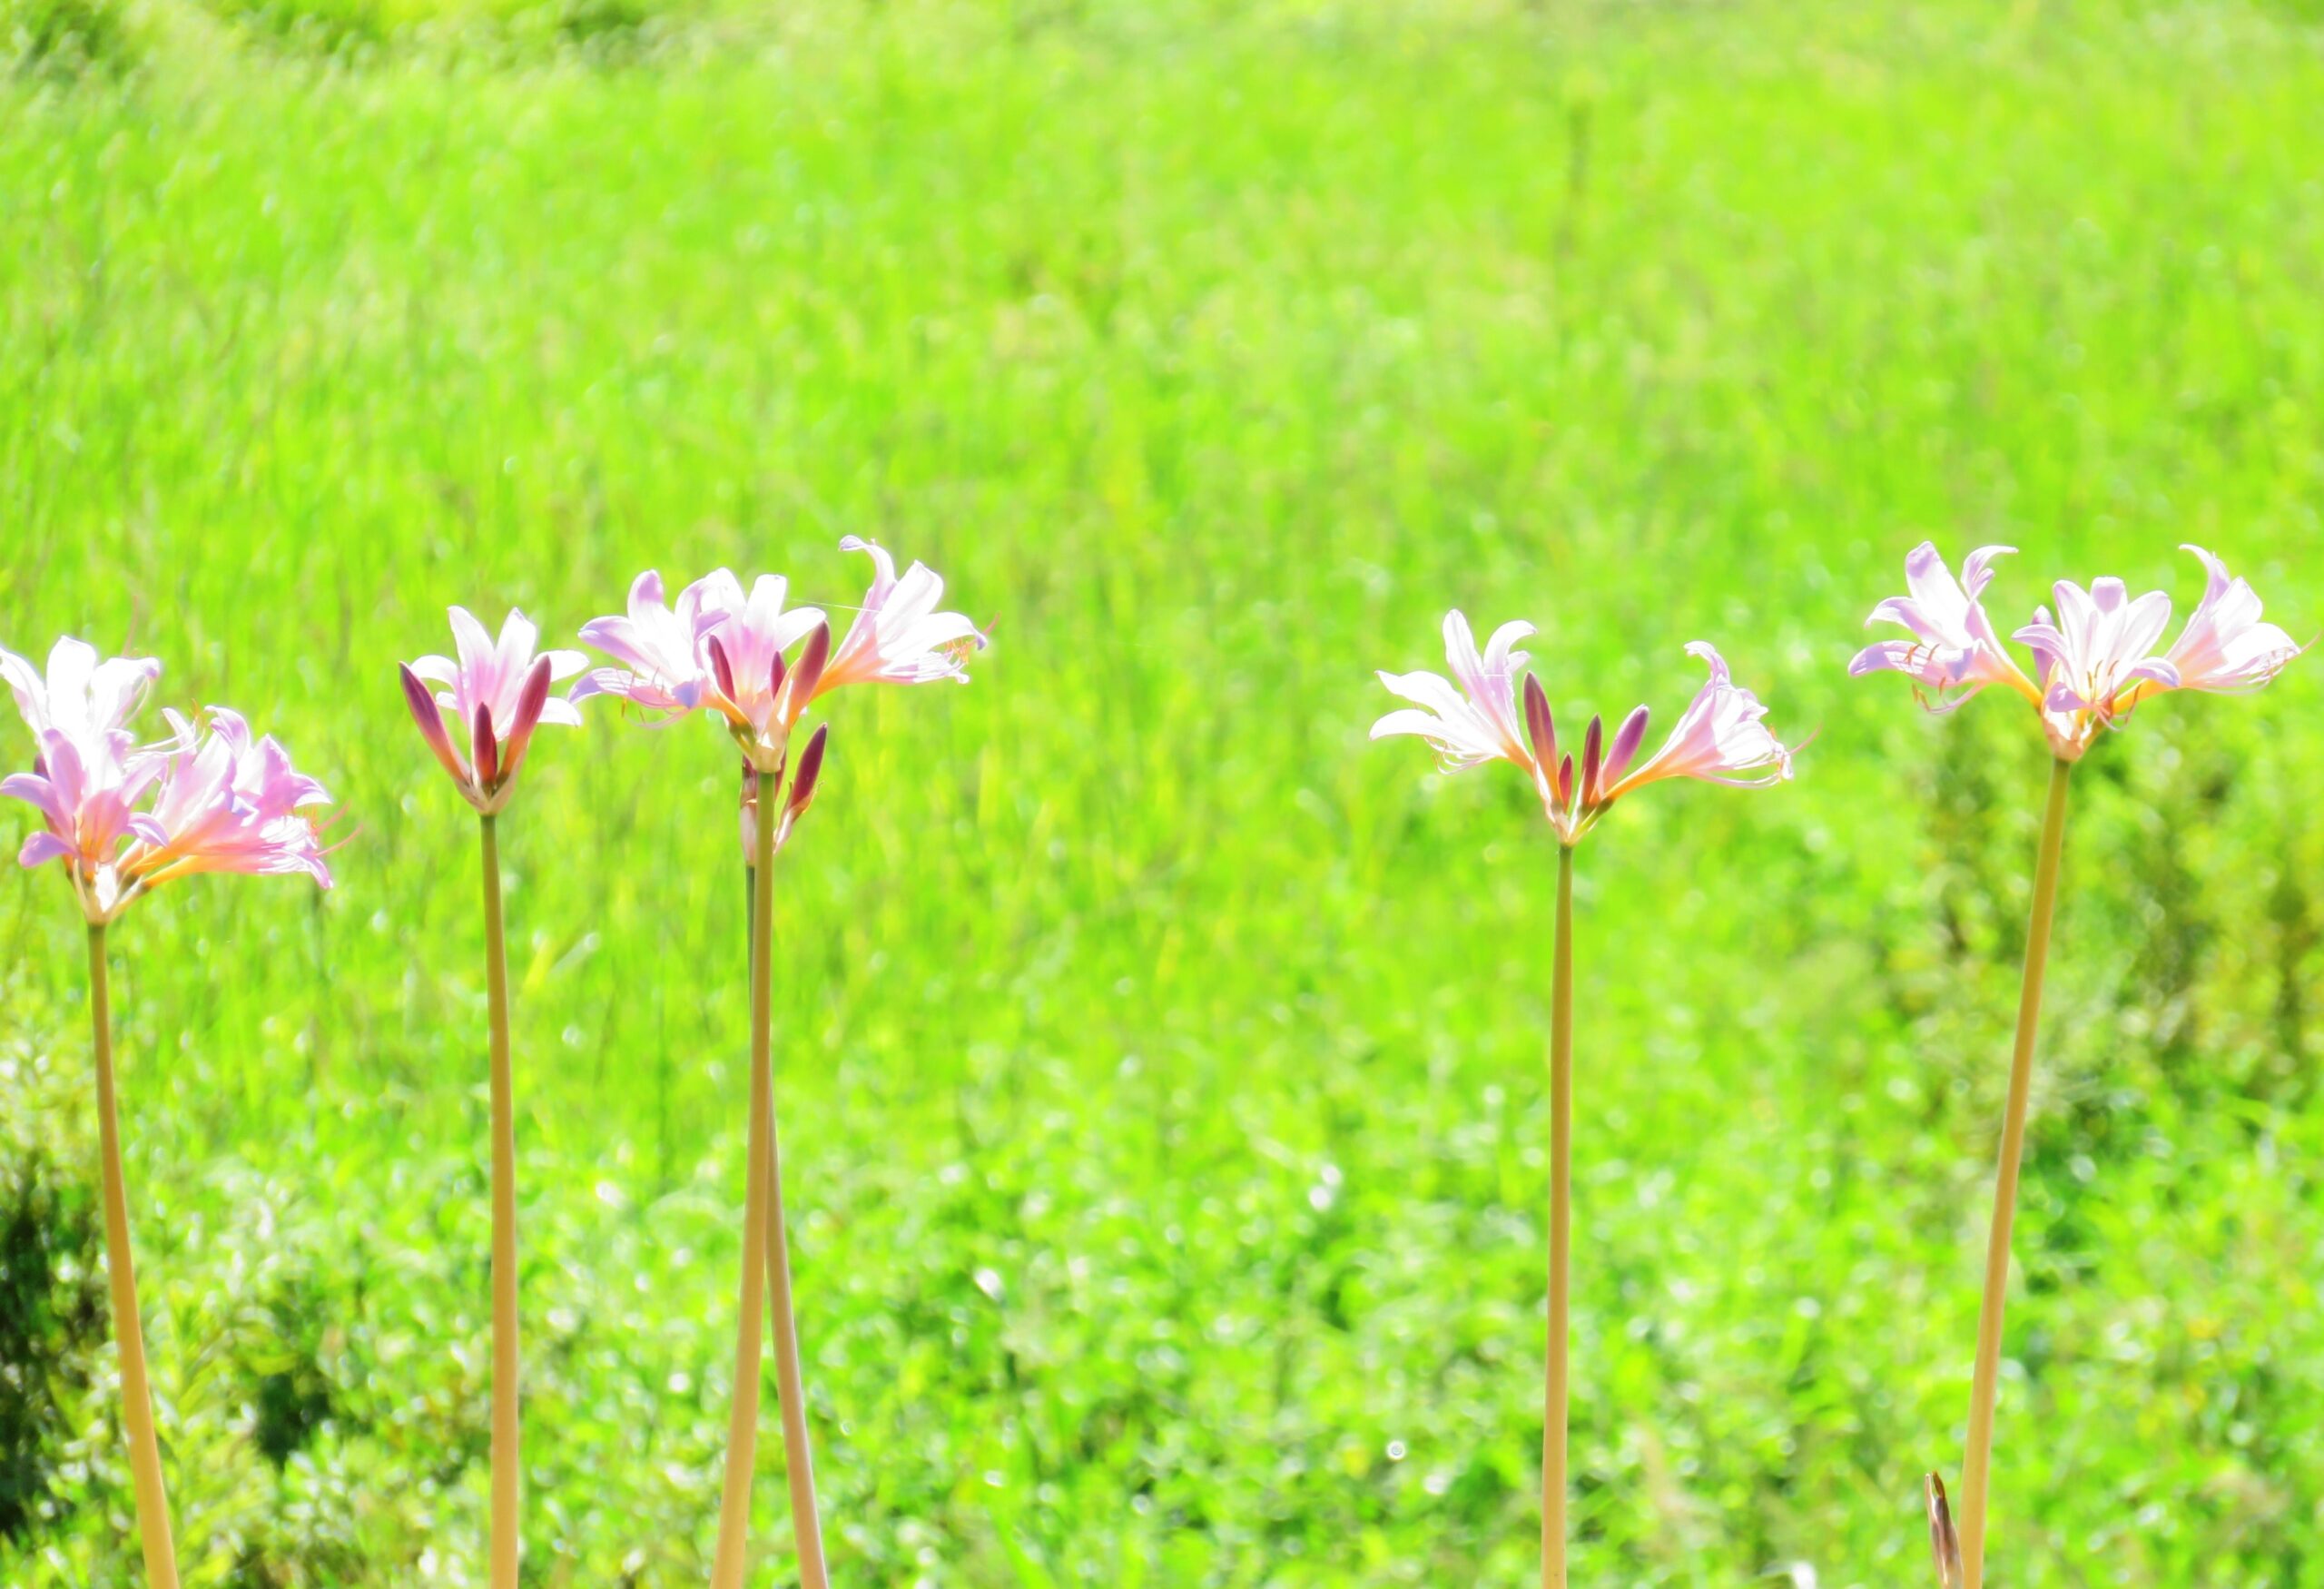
[(898, 636), (79, 695), (761, 664), (1955, 651), (2094, 660), (760, 693), (2225, 648), (2092, 654), (227, 802), (1473, 720), (1719, 738), (85, 789), (221, 802), (664, 669), (499, 694)]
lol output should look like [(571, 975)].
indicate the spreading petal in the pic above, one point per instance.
[(1721, 738), (2226, 649), (897, 637), (1954, 646), (1474, 721), (78, 694), (228, 801)]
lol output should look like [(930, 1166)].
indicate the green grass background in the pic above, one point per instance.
[(1161, 1065)]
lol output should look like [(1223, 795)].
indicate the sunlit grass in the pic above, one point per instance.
[(1162, 1066)]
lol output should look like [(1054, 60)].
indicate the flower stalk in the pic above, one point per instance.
[(799, 1463), (507, 1473), (1554, 1427), (722, 652), (790, 1382), (742, 1418), (136, 1393), (1977, 1463)]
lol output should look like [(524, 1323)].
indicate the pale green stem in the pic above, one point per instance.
[(799, 1463), (1553, 1425), (136, 1393), (508, 1469), (1976, 1467), (799, 1457), (743, 1419)]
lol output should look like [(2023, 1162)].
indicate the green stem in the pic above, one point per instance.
[(508, 1470), (743, 1419), (799, 1458), (136, 1393), (1553, 1425), (1976, 1467), (799, 1464)]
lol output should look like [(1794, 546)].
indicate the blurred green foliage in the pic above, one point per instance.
[(1161, 1064)]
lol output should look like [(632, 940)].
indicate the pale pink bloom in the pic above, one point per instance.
[(760, 694), (85, 789), (897, 637), (499, 695), (760, 664), (2092, 655), (664, 666), (227, 802), (1472, 722), (1719, 738), (80, 697), (1955, 646), (2095, 660), (2225, 648)]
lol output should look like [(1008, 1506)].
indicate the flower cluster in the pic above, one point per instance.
[(2094, 660), (760, 664), (1473, 718), (123, 818), (735, 654)]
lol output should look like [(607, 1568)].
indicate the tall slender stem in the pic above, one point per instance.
[(136, 1393), (1553, 1425), (507, 1468), (799, 1463), (742, 1420), (1976, 1467)]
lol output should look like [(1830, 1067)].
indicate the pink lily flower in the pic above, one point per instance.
[(80, 696), (2094, 660), (719, 649), (85, 789), (227, 803), (2225, 650), (2092, 657), (1955, 646), (898, 636), (761, 696), (665, 668), (1475, 721), (222, 804), (1719, 738), (499, 694)]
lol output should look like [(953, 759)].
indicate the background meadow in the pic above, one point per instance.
[(1161, 1066)]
